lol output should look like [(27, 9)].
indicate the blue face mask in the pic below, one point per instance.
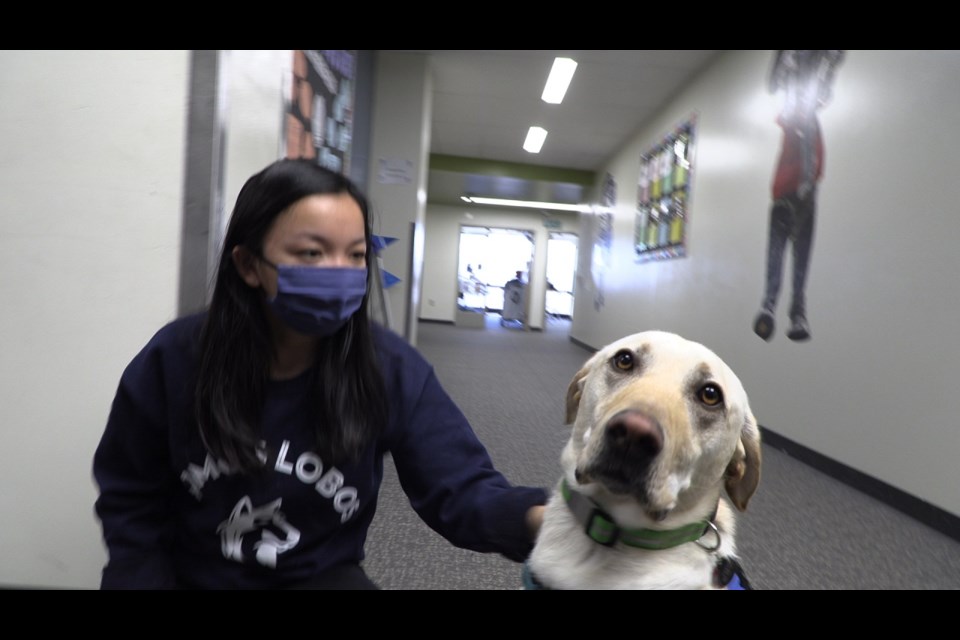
[(317, 301)]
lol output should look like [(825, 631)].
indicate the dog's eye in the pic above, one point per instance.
[(710, 395), (623, 360)]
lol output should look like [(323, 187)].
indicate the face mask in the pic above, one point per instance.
[(317, 301)]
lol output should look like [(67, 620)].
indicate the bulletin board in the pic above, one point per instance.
[(319, 109), (663, 196)]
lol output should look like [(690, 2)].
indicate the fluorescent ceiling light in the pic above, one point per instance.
[(535, 138), (531, 204), (559, 80)]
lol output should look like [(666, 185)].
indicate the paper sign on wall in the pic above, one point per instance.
[(395, 171)]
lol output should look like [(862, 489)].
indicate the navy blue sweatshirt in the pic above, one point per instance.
[(173, 516)]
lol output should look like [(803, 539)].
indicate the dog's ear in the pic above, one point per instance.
[(573, 394), (743, 471)]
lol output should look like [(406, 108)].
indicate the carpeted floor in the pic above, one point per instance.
[(803, 529)]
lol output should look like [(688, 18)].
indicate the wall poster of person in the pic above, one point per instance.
[(803, 79), (318, 122), (663, 196)]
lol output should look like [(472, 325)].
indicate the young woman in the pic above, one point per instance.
[(245, 444)]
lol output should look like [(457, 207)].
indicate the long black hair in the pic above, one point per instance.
[(236, 348)]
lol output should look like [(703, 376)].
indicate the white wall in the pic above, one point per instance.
[(401, 134), (257, 83), (442, 240), (874, 388), (90, 172)]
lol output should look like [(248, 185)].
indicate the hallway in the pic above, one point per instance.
[(803, 529)]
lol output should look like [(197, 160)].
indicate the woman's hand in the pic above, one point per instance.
[(534, 520)]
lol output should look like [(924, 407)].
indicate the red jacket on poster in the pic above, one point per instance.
[(789, 173)]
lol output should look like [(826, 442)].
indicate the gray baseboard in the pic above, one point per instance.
[(920, 510)]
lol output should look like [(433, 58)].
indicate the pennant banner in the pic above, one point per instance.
[(389, 279), (382, 242)]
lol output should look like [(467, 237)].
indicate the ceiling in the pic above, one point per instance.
[(485, 100)]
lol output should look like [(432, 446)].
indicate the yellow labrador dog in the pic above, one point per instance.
[(661, 427)]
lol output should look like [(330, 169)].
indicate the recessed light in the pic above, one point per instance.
[(531, 204), (535, 138), (559, 79)]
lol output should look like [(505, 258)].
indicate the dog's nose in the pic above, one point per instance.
[(635, 435)]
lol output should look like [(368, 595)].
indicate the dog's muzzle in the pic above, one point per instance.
[(632, 440)]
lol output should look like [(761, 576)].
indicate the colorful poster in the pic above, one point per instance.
[(803, 80), (603, 242), (319, 114), (663, 194)]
